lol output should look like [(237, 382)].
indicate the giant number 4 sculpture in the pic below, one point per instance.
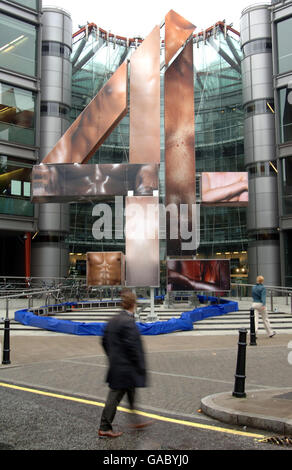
[(106, 110)]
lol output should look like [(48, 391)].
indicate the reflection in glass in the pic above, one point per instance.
[(15, 187), (285, 100), (56, 49), (288, 256), (259, 107), (17, 107), (284, 45), (33, 4), (14, 178), (287, 185), (18, 45)]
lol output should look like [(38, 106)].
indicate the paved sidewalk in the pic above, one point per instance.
[(270, 410)]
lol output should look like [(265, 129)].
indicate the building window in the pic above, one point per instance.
[(18, 45), (17, 109), (51, 108), (288, 257), (259, 107), (263, 169), (257, 47), (285, 102), (287, 185), (33, 4), (15, 184), (56, 49), (284, 45)]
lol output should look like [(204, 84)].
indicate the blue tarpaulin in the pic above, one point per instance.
[(184, 323)]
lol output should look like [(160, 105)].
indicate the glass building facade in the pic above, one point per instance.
[(243, 122), (18, 45), (281, 21), (20, 35)]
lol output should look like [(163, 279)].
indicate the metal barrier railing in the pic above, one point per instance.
[(243, 291), (59, 290)]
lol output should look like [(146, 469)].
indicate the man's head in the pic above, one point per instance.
[(128, 300), (260, 279)]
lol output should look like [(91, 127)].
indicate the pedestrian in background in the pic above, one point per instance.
[(127, 370), (259, 306)]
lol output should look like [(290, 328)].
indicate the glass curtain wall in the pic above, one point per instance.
[(219, 138), (18, 45), (94, 60), (33, 4), (219, 132), (15, 176), (285, 114), (17, 110), (287, 185), (284, 45)]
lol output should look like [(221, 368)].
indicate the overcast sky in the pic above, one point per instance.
[(137, 17)]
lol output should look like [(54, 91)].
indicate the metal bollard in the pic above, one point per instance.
[(6, 343), (240, 367), (253, 338)]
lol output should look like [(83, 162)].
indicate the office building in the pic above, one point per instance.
[(49, 73)]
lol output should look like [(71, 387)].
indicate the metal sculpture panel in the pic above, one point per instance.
[(95, 123), (51, 180), (177, 31), (180, 177), (145, 101), (75, 182), (142, 242)]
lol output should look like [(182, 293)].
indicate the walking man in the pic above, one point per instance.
[(123, 346), (259, 306)]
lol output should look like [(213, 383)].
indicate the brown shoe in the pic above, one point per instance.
[(109, 433)]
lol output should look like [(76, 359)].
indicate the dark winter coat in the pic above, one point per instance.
[(123, 346)]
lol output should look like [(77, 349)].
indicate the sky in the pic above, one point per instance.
[(133, 18)]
